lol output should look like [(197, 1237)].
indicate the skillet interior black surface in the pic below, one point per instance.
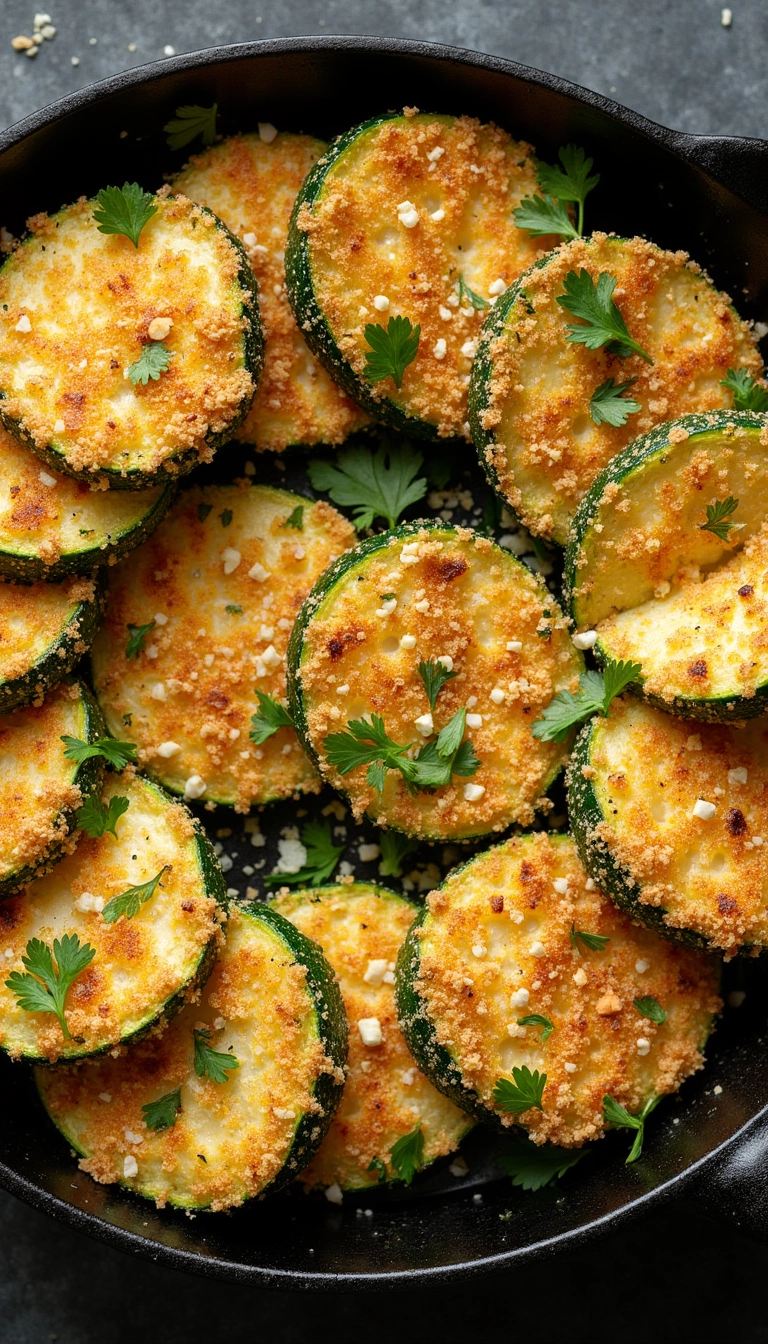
[(708, 1140)]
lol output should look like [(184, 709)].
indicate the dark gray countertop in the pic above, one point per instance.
[(673, 1275)]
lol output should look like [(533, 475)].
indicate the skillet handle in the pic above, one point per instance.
[(739, 162), (734, 1188)]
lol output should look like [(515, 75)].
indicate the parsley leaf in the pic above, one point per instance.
[(748, 394), (225, 517), (380, 1167), (594, 696), (163, 1113), (189, 122), (118, 754), (322, 858), (394, 848), (717, 515), (449, 737), (650, 1008), (434, 675), (407, 1154), (295, 519), (537, 1020), (476, 300), (153, 360), (533, 1165), (376, 484), (365, 744), (136, 636), (124, 210), (524, 1094), (616, 1115), (368, 743), (609, 406), (210, 1063), (202, 511), (234, 609), (571, 182), (43, 988), (603, 324), (539, 215), (594, 942), (94, 818), (270, 716), (129, 902), (392, 350)]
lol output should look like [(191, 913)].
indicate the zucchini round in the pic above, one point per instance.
[(272, 1004), (493, 945), (532, 389), (76, 307), (252, 186), (146, 965), (361, 928), (661, 589), (409, 215), (634, 781), (52, 527), (458, 596), (218, 587), (40, 790), (45, 628)]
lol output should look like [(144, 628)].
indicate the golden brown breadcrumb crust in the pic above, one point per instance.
[(33, 616)]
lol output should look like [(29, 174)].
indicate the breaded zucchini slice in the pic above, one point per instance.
[(410, 216), (425, 592), (273, 1013), (45, 628), (531, 392), (361, 929), (77, 310), (217, 587), (493, 946), (252, 186), (52, 526), (147, 963), (40, 790), (660, 587), (671, 823)]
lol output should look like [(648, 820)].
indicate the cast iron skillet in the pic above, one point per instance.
[(706, 194)]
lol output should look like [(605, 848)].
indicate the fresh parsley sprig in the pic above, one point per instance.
[(525, 1093), (538, 1020), (116, 753), (322, 858), (368, 743), (434, 675), (269, 717), (380, 484), (593, 942), (570, 182), (596, 692), (616, 1115), (394, 848), (392, 349), (748, 394), (137, 635), (532, 1165), (129, 902), (609, 406), (189, 122), (154, 359), (124, 210), (601, 321), (210, 1063), (43, 987), (540, 215), (718, 515), (295, 519), (651, 1008), (163, 1113), (96, 819), (407, 1154)]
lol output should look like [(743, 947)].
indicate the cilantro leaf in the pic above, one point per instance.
[(118, 754), (43, 988), (533, 1165), (392, 350), (609, 406), (571, 182), (717, 515), (189, 122), (376, 484), (594, 696), (537, 1020), (540, 215), (603, 324), (163, 1113), (129, 902), (136, 636), (650, 1008), (434, 676), (153, 360), (594, 942), (476, 300), (616, 1115), (270, 716), (524, 1094), (394, 848), (322, 858), (94, 818), (124, 210), (210, 1063), (748, 394), (407, 1154), (295, 519)]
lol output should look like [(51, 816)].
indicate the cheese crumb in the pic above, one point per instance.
[(586, 640), (194, 787), (538, 949), (438, 215), (407, 214), (267, 132), (738, 775), (24, 324), (726, 18), (377, 969), (478, 950), (473, 792), (497, 695), (168, 749), (497, 287), (561, 885), (445, 661), (514, 646), (59, 427), (370, 1031), (474, 720), (381, 303), (408, 642), (230, 559), (643, 1045), (569, 1068), (440, 349), (45, 478), (159, 328), (434, 154), (704, 810), (520, 998), (580, 976), (258, 572), (130, 1167), (334, 1193), (641, 966), (367, 853), (424, 724)]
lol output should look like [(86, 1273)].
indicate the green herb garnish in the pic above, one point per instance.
[(189, 122), (392, 349), (270, 716), (524, 1094), (533, 1165), (717, 516), (295, 519), (571, 182), (153, 360), (609, 406), (407, 1154), (129, 902), (537, 1020), (43, 988), (163, 1113), (434, 676), (650, 1008), (596, 692), (368, 743), (378, 484), (136, 637), (748, 394), (602, 323), (95, 819), (380, 1168), (476, 300), (594, 942), (225, 517), (322, 858), (234, 609), (202, 511), (394, 848), (116, 753), (540, 215), (124, 210), (617, 1116), (210, 1063)]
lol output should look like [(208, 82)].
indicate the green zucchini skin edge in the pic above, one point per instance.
[(50, 669), (184, 461), (726, 709), (88, 777), (336, 571), (309, 315)]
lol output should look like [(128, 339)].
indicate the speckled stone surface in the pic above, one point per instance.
[(670, 1276)]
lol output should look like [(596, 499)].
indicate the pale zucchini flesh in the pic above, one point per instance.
[(252, 185), (225, 574), (45, 628), (272, 1004), (359, 927), (497, 928)]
